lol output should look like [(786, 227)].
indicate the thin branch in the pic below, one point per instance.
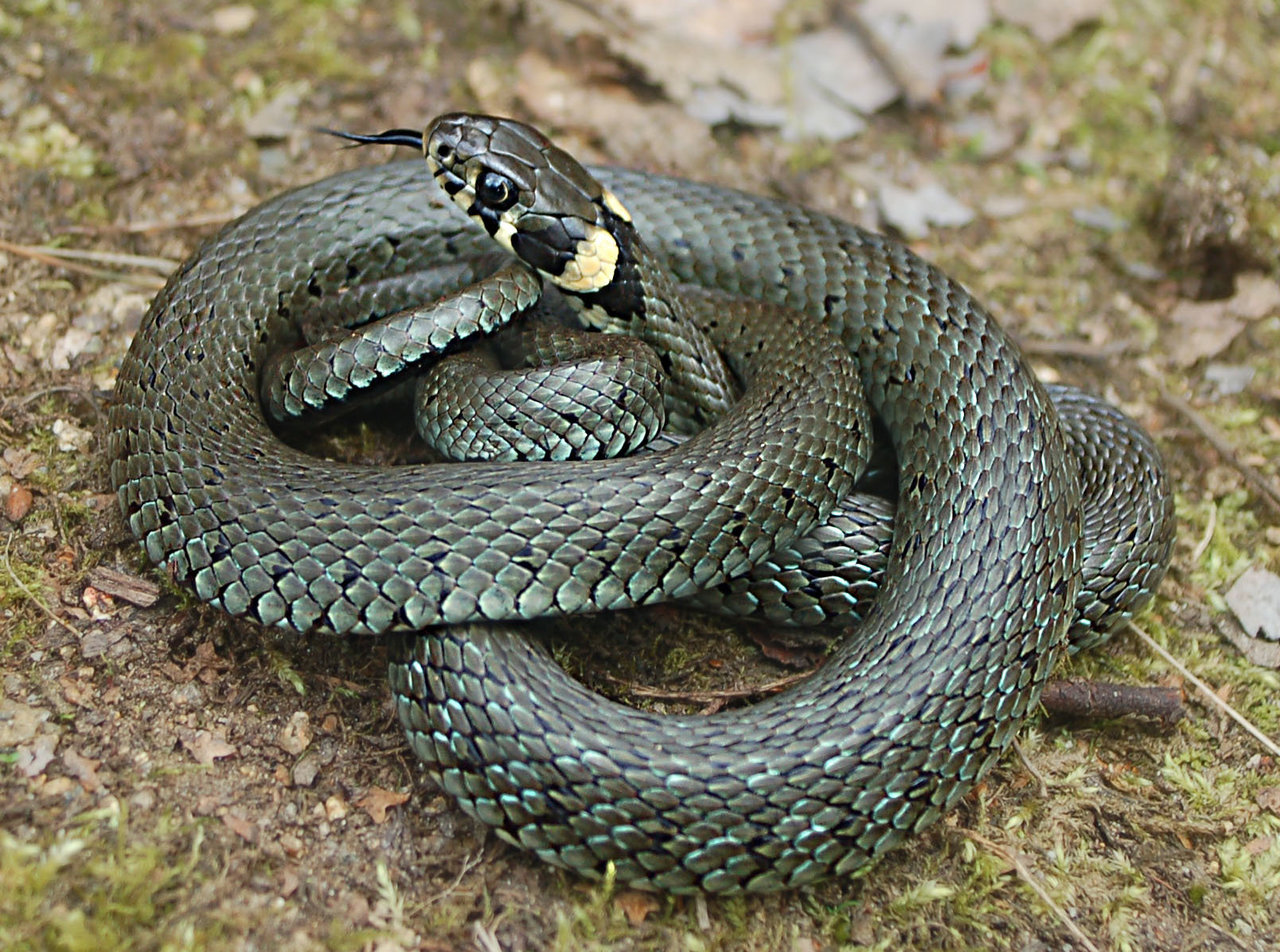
[(35, 599), (149, 227), (1220, 443), (1202, 546), (70, 258), (1012, 858), (1209, 694), (1077, 349), (1030, 768), (1081, 698), (709, 697)]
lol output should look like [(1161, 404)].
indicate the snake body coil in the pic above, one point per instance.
[(893, 730)]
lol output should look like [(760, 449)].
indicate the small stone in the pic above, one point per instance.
[(1100, 218), (1228, 379), (335, 808), (233, 20), (296, 736), (912, 210), (71, 438), (305, 771)]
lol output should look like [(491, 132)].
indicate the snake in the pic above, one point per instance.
[(980, 583)]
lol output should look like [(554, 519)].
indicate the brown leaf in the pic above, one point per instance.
[(204, 665), (18, 503), (83, 769), (241, 827), (636, 905), (1259, 845), (1269, 799), (378, 801), (19, 463), (19, 722), (1206, 328), (1049, 20), (206, 747)]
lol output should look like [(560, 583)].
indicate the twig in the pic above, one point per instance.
[(708, 697), (8, 564), (43, 392), (484, 938), (1234, 940), (70, 258), (147, 227), (1211, 524), (1030, 768), (1224, 448), (1207, 691), (1077, 349), (469, 862), (160, 265), (1079, 698), (1024, 874)]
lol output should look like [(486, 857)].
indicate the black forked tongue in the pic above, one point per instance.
[(409, 137)]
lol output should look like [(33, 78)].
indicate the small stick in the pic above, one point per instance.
[(1224, 448), (1209, 694), (35, 599), (1079, 698), (1076, 349), (59, 258), (147, 227), (709, 697), (1011, 857)]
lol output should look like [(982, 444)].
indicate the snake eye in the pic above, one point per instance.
[(496, 191)]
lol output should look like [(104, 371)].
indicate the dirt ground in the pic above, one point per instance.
[(172, 778)]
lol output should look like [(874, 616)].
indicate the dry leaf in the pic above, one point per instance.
[(1207, 328), (34, 757), (1259, 845), (636, 905), (377, 802), (1204, 329), (241, 827), (19, 722), (1255, 601), (83, 769), (206, 747), (18, 503), (1049, 20), (1269, 799)]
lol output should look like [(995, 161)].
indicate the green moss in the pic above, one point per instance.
[(41, 142), (97, 885)]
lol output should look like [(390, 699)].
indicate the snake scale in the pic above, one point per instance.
[(981, 582)]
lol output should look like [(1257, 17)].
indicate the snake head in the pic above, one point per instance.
[(533, 198)]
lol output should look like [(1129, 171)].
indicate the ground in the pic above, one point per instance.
[(173, 778)]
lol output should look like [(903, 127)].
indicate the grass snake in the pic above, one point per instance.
[(983, 577)]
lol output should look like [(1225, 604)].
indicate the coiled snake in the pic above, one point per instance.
[(982, 577)]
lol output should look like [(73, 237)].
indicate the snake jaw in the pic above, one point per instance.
[(561, 220)]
